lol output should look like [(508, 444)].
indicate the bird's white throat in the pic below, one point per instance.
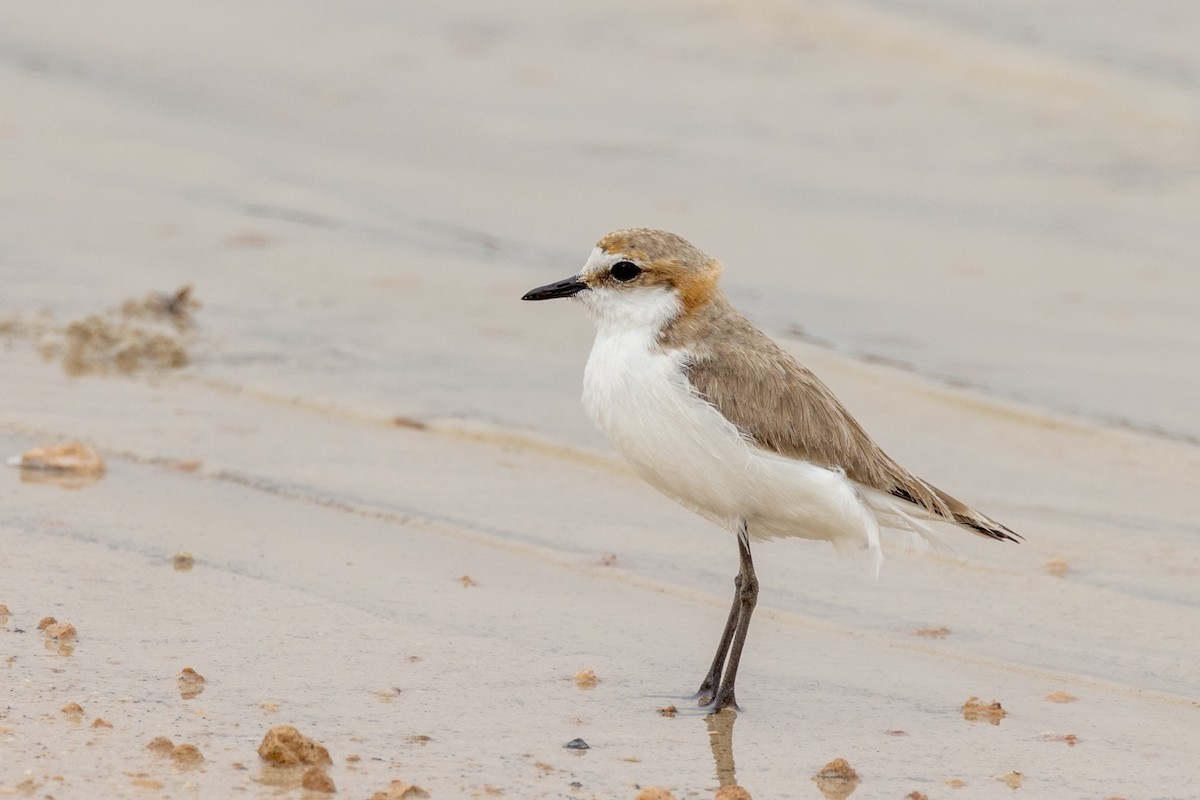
[(641, 312)]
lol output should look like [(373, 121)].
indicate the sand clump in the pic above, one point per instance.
[(1013, 779), (99, 722), (668, 711), (3, 614), (73, 712), (72, 465), (161, 745), (285, 746), (62, 631), (732, 792), (586, 679), (60, 636), (932, 633), (655, 793), (75, 458), (975, 710), (183, 562), (186, 755), (400, 790), (191, 683), (1061, 697), (99, 344), (315, 779), (837, 780), (146, 333)]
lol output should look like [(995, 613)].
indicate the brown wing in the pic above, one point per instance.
[(785, 408)]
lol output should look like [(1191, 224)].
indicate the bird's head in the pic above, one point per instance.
[(638, 277)]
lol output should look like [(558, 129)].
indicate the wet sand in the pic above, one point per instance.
[(328, 581), (406, 539)]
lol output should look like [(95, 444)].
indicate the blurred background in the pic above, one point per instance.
[(1005, 196)]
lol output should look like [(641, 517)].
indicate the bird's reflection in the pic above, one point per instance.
[(720, 738), (837, 781)]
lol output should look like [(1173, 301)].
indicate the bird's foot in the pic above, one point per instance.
[(707, 692), (725, 699), (713, 702)]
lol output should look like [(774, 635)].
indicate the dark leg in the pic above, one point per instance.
[(747, 598), (708, 689)]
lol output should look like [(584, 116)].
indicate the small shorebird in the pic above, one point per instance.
[(715, 415)]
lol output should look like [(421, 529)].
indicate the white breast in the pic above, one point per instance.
[(639, 396)]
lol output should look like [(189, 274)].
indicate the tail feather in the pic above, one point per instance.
[(948, 508), (980, 523)]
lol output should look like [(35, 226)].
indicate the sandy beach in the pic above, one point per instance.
[(405, 538)]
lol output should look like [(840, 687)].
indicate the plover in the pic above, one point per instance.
[(715, 415)]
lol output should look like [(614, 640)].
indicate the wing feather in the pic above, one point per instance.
[(783, 407)]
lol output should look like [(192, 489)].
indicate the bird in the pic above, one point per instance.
[(715, 415)]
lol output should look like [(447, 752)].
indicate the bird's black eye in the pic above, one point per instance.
[(625, 271)]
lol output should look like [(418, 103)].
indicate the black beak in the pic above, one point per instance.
[(563, 288)]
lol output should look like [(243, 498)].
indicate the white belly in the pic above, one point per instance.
[(681, 445)]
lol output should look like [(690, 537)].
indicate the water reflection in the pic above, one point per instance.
[(836, 781), (720, 738)]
